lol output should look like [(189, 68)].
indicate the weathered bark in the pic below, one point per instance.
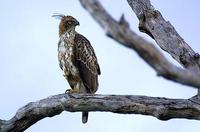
[(152, 22), (165, 35), (161, 108), (121, 32)]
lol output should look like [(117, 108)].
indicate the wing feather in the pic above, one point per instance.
[(86, 61)]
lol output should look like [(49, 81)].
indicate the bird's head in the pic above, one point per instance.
[(67, 23)]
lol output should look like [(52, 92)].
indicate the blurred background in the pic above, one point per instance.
[(30, 72)]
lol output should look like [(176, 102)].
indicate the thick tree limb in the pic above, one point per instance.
[(152, 23), (161, 108), (121, 32), (165, 35)]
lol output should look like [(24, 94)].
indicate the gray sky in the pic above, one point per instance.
[(29, 67)]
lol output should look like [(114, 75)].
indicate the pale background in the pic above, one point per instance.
[(29, 67)]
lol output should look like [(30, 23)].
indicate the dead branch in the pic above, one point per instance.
[(165, 35), (161, 108), (121, 32)]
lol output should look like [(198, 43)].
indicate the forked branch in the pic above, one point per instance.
[(121, 32), (161, 108)]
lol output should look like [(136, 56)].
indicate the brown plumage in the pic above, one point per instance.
[(77, 59)]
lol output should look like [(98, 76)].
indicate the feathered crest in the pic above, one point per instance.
[(58, 15)]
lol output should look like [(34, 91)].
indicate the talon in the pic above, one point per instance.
[(70, 91)]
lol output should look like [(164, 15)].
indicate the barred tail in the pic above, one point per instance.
[(85, 117)]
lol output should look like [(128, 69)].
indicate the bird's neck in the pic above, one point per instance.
[(70, 31)]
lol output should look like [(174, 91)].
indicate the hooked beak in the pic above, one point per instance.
[(77, 23)]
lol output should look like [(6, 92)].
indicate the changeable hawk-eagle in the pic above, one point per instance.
[(77, 59)]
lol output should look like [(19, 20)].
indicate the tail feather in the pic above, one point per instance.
[(85, 117)]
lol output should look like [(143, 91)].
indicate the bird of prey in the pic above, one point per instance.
[(77, 59)]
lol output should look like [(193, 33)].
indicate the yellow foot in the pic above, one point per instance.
[(74, 90)]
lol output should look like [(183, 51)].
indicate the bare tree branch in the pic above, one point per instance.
[(152, 23), (165, 35), (161, 108), (121, 32)]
